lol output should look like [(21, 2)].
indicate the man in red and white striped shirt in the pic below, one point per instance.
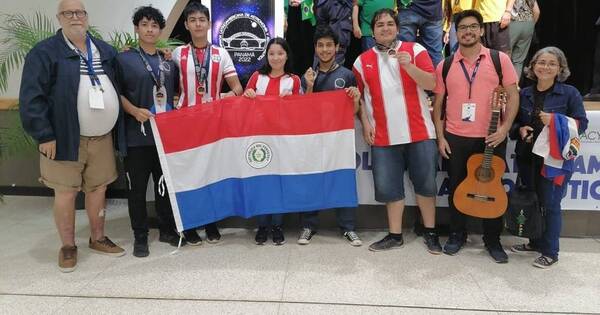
[(393, 77), (202, 66)]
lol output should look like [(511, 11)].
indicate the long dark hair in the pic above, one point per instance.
[(287, 68)]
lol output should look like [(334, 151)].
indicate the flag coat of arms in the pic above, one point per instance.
[(246, 157)]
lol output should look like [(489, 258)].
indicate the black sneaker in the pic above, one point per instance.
[(212, 233), (192, 237), (432, 241), (261, 235), (278, 237), (497, 253), (172, 238), (387, 243), (544, 262), (523, 249), (305, 236), (140, 247), (455, 242)]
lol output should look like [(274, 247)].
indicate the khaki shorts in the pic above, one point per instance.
[(96, 167)]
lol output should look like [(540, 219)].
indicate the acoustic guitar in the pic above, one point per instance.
[(481, 194)]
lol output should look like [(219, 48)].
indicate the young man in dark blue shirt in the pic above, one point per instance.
[(328, 76), (148, 83)]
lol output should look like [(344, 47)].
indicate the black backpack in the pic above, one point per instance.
[(446, 68)]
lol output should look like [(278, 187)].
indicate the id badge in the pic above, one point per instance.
[(468, 112), (96, 98), (160, 96)]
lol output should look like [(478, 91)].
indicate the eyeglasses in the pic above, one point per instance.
[(549, 64), (70, 14), (473, 27)]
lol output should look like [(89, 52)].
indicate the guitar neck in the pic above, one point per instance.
[(489, 150)]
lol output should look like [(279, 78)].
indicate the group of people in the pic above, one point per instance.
[(79, 97)]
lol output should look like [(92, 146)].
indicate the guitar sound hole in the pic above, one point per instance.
[(484, 175)]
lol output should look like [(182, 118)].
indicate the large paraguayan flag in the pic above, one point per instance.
[(246, 157)]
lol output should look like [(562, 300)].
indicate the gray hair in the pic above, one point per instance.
[(563, 72)]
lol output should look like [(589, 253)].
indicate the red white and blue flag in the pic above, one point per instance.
[(247, 157)]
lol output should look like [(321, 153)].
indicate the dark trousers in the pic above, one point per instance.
[(140, 163), (462, 148)]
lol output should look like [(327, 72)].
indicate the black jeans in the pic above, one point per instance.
[(462, 148), (140, 162)]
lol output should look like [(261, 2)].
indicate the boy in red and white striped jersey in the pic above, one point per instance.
[(393, 77)]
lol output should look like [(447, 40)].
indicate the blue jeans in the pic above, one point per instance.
[(267, 220), (452, 39), (367, 42), (551, 195), (430, 33), (345, 219)]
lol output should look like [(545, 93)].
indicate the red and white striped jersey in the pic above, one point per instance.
[(265, 84), (396, 106), (220, 67)]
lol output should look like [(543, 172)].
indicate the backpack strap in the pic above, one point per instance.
[(445, 69), (497, 65)]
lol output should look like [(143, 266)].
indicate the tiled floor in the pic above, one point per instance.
[(237, 277)]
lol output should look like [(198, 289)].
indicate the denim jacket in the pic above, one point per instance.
[(48, 95), (563, 99)]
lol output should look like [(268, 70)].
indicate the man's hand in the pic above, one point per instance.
[(505, 20), (368, 133), (354, 93), (497, 137), (309, 77), (357, 32), (545, 117), (250, 93), (526, 133), (404, 58), (48, 149), (142, 114), (444, 148)]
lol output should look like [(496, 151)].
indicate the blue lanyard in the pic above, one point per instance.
[(89, 62), (160, 81), (472, 78)]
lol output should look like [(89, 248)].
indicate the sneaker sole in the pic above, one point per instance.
[(383, 250), (67, 269), (260, 243), (303, 242), (355, 244), (194, 244), (213, 241), (279, 244), (528, 252), (543, 266), (146, 254), (119, 254), (434, 252)]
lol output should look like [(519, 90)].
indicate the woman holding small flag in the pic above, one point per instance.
[(551, 116)]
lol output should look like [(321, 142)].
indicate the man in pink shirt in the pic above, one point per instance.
[(462, 126)]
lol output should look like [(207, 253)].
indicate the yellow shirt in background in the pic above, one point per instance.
[(461, 5), (491, 10)]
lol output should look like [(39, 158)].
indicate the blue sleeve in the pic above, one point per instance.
[(34, 105), (575, 109)]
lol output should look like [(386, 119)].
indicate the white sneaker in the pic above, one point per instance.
[(305, 236), (353, 238)]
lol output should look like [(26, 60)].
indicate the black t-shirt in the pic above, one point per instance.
[(136, 85), (339, 78), (538, 106)]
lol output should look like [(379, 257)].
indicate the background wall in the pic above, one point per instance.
[(106, 15)]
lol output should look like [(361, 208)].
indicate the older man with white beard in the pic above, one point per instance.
[(69, 105)]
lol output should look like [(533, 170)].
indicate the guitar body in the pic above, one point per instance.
[(481, 194)]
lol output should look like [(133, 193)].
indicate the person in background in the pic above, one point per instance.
[(548, 97), (362, 14), (525, 14), (423, 18), (275, 77), (497, 15)]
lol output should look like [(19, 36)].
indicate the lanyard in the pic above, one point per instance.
[(472, 78), (316, 87), (161, 74), (89, 62), (201, 70)]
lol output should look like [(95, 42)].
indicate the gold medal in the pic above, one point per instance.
[(201, 90), (391, 52)]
